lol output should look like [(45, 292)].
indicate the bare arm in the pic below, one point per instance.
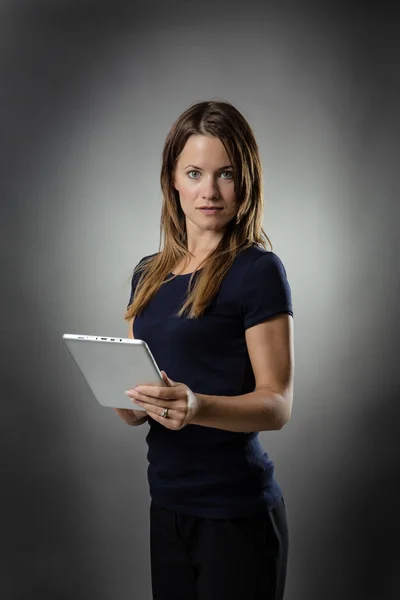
[(271, 350), (132, 417)]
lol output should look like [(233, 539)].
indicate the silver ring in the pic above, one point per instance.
[(165, 413)]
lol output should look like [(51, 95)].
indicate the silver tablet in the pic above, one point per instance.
[(113, 365)]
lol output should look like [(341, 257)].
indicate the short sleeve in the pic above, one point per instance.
[(135, 278), (266, 290)]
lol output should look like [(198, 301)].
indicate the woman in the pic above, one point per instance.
[(214, 306)]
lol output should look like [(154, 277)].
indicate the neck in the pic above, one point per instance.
[(201, 242)]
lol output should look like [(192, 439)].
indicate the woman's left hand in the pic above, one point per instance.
[(182, 403)]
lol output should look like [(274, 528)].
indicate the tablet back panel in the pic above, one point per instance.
[(113, 365)]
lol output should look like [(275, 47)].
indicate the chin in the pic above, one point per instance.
[(208, 223), (211, 226)]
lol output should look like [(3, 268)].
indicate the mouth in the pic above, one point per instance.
[(210, 208)]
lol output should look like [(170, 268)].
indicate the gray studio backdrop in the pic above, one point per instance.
[(88, 94)]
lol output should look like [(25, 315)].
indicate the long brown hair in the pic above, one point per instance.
[(222, 120)]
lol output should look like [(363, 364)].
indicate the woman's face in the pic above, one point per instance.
[(204, 179)]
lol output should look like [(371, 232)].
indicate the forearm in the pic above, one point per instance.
[(261, 410)]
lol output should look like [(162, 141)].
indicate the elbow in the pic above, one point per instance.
[(285, 415), (276, 424), (280, 414), (276, 410), (275, 421), (281, 422)]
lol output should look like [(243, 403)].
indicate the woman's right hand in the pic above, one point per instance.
[(132, 417)]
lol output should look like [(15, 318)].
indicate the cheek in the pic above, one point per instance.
[(187, 192), (232, 199), (184, 189)]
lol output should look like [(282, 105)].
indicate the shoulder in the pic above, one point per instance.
[(265, 290), (137, 271), (139, 267), (144, 261), (258, 260), (148, 258)]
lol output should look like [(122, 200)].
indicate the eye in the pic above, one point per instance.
[(228, 173)]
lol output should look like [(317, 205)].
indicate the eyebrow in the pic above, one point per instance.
[(200, 169)]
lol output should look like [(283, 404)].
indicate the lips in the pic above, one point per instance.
[(210, 207)]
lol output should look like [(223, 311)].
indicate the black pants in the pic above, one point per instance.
[(196, 558)]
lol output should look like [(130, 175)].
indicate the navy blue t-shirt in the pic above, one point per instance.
[(204, 471)]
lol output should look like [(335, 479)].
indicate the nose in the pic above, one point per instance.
[(210, 188)]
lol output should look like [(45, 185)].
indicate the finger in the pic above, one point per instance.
[(158, 411), (167, 380), (163, 393), (178, 407), (150, 408), (151, 400), (168, 422)]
